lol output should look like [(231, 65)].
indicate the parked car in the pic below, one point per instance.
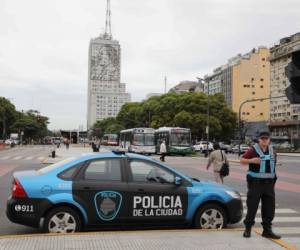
[(115, 189), (201, 146), (8, 141), (225, 147), (243, 149)]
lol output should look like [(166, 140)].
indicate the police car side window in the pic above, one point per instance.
[(104, 170), (143, 171)]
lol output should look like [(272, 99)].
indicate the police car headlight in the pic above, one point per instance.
[(234, 194)]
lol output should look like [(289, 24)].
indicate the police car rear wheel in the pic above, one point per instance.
[(62, 220), (210, 216)]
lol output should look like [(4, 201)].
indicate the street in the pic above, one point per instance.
[(287, 220)]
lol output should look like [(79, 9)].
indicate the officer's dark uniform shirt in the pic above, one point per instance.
[(251, 153)]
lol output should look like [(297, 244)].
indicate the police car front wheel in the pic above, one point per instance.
[(62, 220), (210, 216)]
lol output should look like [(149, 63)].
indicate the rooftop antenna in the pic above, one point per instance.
[(108, 20)]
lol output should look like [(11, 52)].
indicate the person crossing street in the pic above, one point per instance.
[(261, 178), (163, 150)]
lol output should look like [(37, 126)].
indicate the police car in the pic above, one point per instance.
[(114, 189)]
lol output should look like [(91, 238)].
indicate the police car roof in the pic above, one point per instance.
[(112, 155)]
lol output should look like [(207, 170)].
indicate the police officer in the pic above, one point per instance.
[(261, 178)]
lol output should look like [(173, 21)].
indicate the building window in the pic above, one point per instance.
[(261, 79), (261, 86), (263, 59), (248, 113), (261, 113), (253, 106), (252, 79), (253, 93)]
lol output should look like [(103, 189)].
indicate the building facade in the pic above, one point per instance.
[(106, 93), (284, 120), (187, 86), (244, 77), (251, 80)]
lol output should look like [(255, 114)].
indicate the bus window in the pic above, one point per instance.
[(180, 139), (149, 139), (138, 139)]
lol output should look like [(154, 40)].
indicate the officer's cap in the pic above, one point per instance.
[(264, 134)]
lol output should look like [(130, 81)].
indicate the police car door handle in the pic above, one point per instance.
[(86, 188)]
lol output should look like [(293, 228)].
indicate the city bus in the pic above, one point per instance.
[(178, 140), (138, 140), (110, 140)]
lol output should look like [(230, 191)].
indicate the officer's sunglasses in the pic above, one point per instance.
[(264, 138)]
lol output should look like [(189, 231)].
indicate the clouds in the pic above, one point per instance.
[(44, 45)]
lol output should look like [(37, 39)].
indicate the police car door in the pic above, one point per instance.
[(154, 197), (101, 189)]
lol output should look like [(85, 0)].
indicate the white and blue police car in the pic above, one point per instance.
[(118, 189)]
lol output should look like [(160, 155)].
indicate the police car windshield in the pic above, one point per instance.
[(55, 165)]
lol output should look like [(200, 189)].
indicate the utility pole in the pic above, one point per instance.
[(165, 84)]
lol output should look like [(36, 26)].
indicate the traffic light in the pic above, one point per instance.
[(292, 71)]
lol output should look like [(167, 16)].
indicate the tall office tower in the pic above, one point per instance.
[(106, 94)]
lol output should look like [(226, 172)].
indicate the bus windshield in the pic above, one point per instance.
[(143, 139), (180, 139)]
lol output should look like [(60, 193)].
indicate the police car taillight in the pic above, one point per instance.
[(17, 190)]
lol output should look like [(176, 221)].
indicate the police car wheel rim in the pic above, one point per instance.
[(211, 219), (62, 222)]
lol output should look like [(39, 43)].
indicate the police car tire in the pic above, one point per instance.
[(58, 210), (206, 207)]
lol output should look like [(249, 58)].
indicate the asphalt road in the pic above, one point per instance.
[(287, 221)]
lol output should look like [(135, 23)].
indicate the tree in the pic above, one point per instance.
[(8, 116), (106, 126), (187, 110)]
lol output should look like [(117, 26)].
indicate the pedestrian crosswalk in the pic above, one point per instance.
[(286, 221), (24, 157)]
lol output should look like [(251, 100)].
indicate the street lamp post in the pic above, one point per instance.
[(208, 118), (207, 114), (240, 110)]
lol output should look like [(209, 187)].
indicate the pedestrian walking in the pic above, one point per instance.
[(261, 178), (163, 150), (67, 144), (217, 158)]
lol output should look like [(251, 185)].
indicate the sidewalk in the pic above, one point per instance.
[(150, 239)]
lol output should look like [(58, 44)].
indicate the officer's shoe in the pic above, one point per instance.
[(268, 233), (247, 232)]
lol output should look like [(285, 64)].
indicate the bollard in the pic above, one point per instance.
[(53, 154)]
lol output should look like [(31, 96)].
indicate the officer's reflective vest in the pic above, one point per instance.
[(263, 158)]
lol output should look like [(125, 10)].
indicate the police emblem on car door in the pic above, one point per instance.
[(108, 204)]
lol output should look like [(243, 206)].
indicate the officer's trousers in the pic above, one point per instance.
[(260, 190)]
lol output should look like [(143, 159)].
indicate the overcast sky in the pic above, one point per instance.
[(44, 45)]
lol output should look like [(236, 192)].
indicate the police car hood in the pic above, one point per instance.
[(206, 184)]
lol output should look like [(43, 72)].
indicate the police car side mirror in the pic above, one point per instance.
[(177, 181)]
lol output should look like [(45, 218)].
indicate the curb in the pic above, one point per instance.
[(279, 242)]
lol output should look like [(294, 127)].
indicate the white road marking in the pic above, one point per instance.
[(279, 211), (287, 230), (29, 158), (41, 158), (281, 219), (5, 157), (17, 158)]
